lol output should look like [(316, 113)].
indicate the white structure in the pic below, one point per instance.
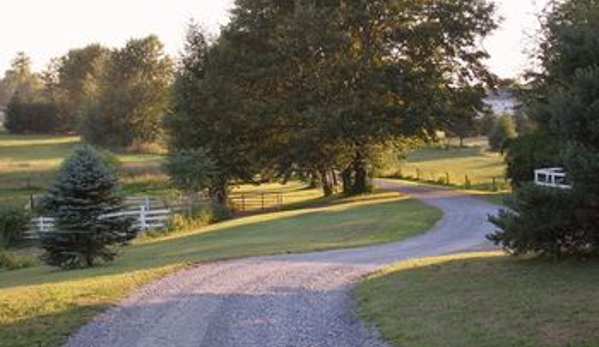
[(552, 177), (144, 216), (502, 102)]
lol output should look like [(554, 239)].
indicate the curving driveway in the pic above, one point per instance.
[(280, 301)]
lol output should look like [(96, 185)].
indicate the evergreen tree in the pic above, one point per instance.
[(565, 99), (81, 200)]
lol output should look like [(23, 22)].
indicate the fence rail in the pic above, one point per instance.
[(256, 202), (144, 219), (452, 179)]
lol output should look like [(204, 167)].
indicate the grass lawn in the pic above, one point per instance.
[(41, 306), (434, 163), (28, 164), (484, 299)]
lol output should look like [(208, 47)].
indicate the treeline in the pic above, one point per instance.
[(114, 97), (323, 90)]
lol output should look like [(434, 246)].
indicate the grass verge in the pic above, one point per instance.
[(41, 306), (484, 299)]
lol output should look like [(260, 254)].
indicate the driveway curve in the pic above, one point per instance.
[(300, 300)]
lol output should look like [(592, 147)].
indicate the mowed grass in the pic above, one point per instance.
[(41, 306), (435, 163), (28, 164), (484, 299)]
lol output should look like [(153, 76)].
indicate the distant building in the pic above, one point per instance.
[(502, 101)]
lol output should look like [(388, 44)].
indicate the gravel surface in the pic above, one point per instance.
[(280, 301)]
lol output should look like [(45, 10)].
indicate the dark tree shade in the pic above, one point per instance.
[(565, 104), (81, 199)]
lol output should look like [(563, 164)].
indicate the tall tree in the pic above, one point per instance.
[(134, 96), (78, 75), (208, 116), (20, 79), (565, 103), (331, 81)]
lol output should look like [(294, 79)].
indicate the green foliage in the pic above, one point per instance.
[(503, 133), (543, 220), (20, 79), (190, 171), (528, 153), (198, 215), (81, 199), (12, 261), (14, 223), (321, 87), (78, 77), (565, 106), (38, 117), (133, 98), (208, 116)]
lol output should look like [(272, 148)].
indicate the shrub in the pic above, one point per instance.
[(14, 223), (197, 216), (11, 261), (542, 220), (503, 132)]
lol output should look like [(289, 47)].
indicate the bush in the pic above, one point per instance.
[(542, 220), (11, 261), (197, 216), (32, 117), (503, 132), (14, 223)]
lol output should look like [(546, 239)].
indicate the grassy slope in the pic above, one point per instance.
[(434, 162), (42, 305), (484, 299)]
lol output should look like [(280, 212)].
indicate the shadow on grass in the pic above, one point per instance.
[(281, 233)]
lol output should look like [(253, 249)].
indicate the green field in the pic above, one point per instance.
[(484, 299), (28, 164), (41, 306), (436, 164)]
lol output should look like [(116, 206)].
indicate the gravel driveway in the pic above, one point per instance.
[(284, 301)]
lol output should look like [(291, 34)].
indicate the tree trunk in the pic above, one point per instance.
[(219, 192), (327, 187), (346, 181), (314, 180), (360, 184)]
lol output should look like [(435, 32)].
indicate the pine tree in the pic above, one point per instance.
[(82, 196)]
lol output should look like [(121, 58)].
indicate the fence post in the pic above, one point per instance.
[(262, 196), (467, 183), (242, 202), (494, 185), (418, 174), (448, 180), (142, 218)]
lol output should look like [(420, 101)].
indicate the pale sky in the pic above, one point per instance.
[(49, 28)]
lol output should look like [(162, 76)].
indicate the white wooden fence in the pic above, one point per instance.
[(147, 216), (552, 177)]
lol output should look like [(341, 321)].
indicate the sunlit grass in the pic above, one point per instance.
[(474, 162), (484, 299), (41, 305)]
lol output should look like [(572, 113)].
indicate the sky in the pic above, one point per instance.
[(45, 29)]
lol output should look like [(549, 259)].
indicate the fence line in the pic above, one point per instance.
[(447, 179)]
